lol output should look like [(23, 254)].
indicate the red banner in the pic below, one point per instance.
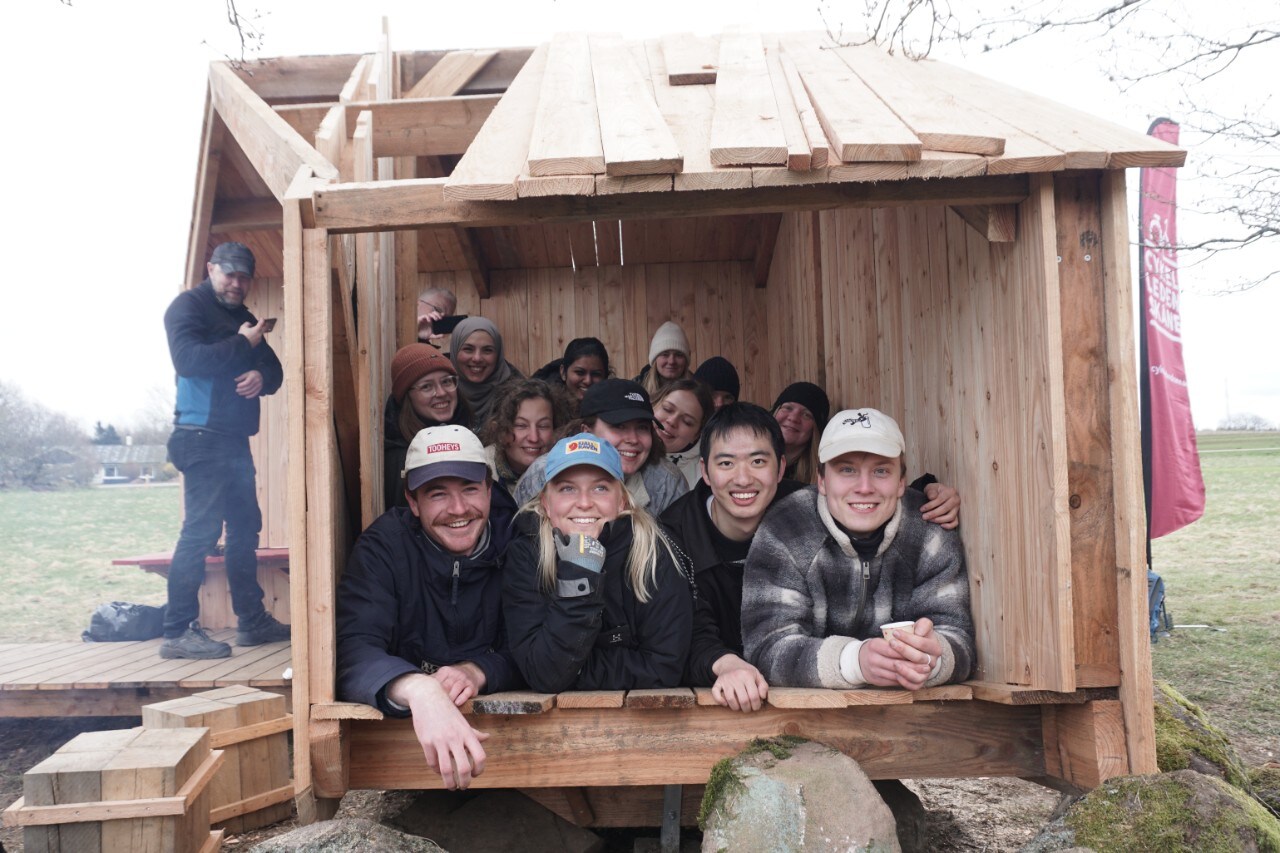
[(1175, 489)]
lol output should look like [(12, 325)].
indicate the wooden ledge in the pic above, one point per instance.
[(1014, 694)]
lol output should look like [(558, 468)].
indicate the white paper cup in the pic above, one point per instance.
[(887, 628)]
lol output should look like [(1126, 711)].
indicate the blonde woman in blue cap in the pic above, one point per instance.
[(593, 595)]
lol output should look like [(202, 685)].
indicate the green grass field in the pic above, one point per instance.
[(56, 550), (1224, 571)]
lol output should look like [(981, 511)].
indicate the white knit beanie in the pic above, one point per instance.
[(668, 336)]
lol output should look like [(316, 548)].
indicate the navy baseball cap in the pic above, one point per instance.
[(234, 258)]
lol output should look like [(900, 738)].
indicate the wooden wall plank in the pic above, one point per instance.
[(746, 127), (633, 133), (1130, 513), (566, 126), (859, 125), (496, 157), (690, 60)]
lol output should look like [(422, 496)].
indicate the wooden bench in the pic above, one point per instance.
[(602, 758), (215, 594)]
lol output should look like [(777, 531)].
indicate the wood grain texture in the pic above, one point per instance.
[(451, 74), (424, 127), (591, 699), (660, 698), (746, 127), (566, 127), (690, 60), (1085, 744), (680, 746), (514, 702), (634, 135), (799, 151)]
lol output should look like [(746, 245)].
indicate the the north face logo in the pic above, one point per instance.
[(444, 447), (636, 396), (582, 445)]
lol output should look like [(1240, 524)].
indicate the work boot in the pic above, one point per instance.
[(194, 644), (265, 630)]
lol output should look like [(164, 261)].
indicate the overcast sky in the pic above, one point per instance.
[(102, 131)]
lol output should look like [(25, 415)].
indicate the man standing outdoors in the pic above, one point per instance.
[(223, 365), (419, 607), (830, 565)]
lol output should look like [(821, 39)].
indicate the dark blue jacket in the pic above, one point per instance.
[(208, 354), (405, 605)]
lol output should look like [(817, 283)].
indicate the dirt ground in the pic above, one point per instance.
[(964, 814)]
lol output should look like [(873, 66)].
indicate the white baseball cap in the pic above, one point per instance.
[(444, 451), (861, 431)]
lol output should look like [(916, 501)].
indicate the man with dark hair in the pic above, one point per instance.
[(742, 460), (419, 607), (223, 364), (833, 564)]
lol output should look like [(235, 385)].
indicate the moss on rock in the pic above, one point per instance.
[(779, 747), (1186, 740), (1264, 784), (721, 784), (1179, 811)]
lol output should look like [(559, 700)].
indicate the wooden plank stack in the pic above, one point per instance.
[(132, 789), (590, 115), (253, 788)]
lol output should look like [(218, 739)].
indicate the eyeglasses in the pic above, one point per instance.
[(430, 389), (435, 308)]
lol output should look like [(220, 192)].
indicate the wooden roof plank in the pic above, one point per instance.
[(1086, 141), (451, 74), (273, 147), (799, 153), (858, 124), (496, 158), (687, 110), (566, 126), (606, 185), (941, 122), (633, 133), (690, 60), (745, 126), (819, 146)]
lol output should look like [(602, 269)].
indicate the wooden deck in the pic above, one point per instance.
[(117, 679)]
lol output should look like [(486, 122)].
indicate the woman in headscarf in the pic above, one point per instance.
[(476, 351)]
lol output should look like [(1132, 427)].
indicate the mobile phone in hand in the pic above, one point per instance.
[(268, 324), (446, 325)]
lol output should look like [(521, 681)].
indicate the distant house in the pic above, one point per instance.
[(128, 463)]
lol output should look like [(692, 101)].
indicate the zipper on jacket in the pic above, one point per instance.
[(453, 597), (862, 597)]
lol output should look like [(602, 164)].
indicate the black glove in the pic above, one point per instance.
[(580, 549)]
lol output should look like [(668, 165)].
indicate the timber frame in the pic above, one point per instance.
[(984, 298)]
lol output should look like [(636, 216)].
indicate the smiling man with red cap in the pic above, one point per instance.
[(419, 607)]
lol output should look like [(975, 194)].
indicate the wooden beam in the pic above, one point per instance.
[(799, 154), (859, 125), (296, 79), (659, 747), (566, 126), (1084, 745), (207, 167), (424, 126), (274, 148), (389, 205), (451, 74), (819, 147), (354, 87), (248, 214), (494, 160), (330, 757), (997, 223), (1133, 630), (304, 118), (746, 128), (634, 135), (690, 60), (770, 223), (1013, 694)]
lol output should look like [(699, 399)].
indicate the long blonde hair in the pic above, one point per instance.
[(642, 561)]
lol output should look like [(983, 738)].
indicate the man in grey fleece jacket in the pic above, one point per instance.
[(829, 566)]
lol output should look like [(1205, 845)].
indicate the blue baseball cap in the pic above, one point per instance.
[(583, 449)]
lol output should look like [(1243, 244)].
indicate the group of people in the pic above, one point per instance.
[(578, 531), (599, 533)]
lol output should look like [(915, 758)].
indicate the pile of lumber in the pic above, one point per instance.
[(594, 115)]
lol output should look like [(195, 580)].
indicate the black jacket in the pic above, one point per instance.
[(592, 634), (208, 354), (717, 615), (405, 605)]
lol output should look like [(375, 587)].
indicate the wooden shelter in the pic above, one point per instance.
[(911, 236)]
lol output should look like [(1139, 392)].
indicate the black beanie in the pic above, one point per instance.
[(811, 397), (720, 374)]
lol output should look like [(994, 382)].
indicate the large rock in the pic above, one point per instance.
[(492, 822), (1183, 810), (909, 814), (788, 794), (1186, 740), (350, 835)]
